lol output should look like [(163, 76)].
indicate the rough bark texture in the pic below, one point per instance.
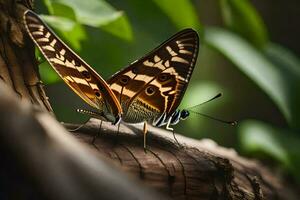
[(41, 160), (18, 66), (195, 170)]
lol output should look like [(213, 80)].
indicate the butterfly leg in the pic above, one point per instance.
[(118, 130), (145, 130), (117, 134), (97, 134), (173, 132), (79, 127)]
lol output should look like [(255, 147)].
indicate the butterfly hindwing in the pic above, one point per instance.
[(157, 82), (81, 78)]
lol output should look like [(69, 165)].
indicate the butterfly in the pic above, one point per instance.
[(149, 90)]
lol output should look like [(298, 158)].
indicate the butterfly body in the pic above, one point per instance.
[(148, 90), (139, 112)]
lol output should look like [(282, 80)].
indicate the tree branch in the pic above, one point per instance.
[(18, 66), (198, 169)]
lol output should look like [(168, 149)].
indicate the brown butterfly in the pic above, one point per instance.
[(149, 90)]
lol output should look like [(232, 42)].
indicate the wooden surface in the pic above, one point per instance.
[(197, 169)]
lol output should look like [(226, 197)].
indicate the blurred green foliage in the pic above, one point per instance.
[(111, 35), (264, 140), (242, 18), (184, 9)]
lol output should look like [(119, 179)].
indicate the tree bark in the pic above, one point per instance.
[(18, 66), (41, 160), (195, 169)]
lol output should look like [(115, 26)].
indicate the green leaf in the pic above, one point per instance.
[(274, 80), (258, 137), (91, 12), (62, 10), (241, 17), (95, 13), (289, 66), (263, 139), (48, 75), (181, 13), (120, 28), (48, 4), (283, 58), (57, 22)]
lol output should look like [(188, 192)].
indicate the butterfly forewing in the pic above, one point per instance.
[(81, 78), (157, 82)]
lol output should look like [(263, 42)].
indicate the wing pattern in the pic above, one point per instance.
[(146, 89), (158, 81), (78, 75)]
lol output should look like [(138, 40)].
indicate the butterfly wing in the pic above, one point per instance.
[(159, 80), (77, 74)]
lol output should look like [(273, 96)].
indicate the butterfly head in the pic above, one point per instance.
[(184, 114)]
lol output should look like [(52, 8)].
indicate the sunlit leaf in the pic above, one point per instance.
[(95, 13), (91, 12), (274, 81), (260, 138), (182, 13), (120, 28), (57, 22), (62, 10), (241, 17)]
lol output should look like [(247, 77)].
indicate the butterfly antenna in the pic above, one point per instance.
[(233, 123), (215, 97)]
